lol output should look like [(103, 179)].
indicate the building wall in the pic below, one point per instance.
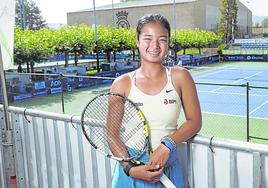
[(184, 15), (203, 14)]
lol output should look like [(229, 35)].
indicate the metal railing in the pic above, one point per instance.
[(50, 151)]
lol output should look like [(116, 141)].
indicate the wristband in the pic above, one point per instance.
[(128, 167), (169, 143)]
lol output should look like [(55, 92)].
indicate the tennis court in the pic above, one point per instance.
[(222, 92)]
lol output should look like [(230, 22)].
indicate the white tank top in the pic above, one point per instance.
[(161, 110)]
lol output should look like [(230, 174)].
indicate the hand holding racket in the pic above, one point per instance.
[(117, 128)]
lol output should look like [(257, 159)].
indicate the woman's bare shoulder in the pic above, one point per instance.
[(121, 84), (180, 73)]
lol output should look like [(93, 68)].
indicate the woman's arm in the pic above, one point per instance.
[(185, 86)]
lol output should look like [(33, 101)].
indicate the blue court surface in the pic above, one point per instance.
[(232, 100)]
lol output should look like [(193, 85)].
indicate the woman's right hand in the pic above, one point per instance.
[(150, 173)]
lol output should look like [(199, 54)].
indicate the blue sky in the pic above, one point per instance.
[(54, 11)]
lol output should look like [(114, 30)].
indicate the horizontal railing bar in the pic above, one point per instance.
[(258, 87), (230, 144), (44, 114), (61, 75), (217, 84), (260, 138)]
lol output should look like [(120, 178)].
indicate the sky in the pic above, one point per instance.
[(55, 11)]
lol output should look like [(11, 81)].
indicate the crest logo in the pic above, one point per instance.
[(122, 19)]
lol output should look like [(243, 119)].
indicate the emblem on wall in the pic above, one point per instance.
[(122, 19)]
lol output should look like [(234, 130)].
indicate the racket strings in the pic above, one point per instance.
[(114, 124)]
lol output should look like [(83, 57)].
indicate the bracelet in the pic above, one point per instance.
[(169, 143), (128, 167)]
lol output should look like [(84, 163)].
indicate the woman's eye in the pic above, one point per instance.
[(163, 40)]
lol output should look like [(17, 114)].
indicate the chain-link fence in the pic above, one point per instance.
[(229, 110), (232, 111)]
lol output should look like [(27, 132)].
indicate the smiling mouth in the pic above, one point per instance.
[(153, 53)]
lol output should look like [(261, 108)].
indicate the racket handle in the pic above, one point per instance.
[(166, 181)]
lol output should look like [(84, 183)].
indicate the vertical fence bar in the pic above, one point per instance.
[(47, 153), (30, 170), (190, 165), (83, 178), (233, 169), (3, 182), (247, 98), (58, 154), (257, 175), (19, 157), (69, 155), (211, 170), (37, 153)]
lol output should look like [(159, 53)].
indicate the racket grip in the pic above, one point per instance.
[(166, 181)]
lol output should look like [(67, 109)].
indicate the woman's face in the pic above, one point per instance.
[(153, 43)]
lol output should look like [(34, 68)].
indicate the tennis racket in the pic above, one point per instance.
[(117, 128)]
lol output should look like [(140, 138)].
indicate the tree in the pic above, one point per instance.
[(228, 28), (264, 22), (33, 18)]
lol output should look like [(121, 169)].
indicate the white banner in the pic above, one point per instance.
[(7, 22)]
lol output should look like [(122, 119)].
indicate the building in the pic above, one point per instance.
[(203, 14)]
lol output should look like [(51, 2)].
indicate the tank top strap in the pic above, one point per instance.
[(168, 71), (132, 76)]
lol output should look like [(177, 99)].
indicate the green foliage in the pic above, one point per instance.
[(228, 28), (33, 17), (264, 22), (34, 46), (196, 38)]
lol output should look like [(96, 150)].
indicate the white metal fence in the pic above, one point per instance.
[(50, 151)]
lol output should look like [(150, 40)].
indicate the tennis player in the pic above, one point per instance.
[(160, 92)]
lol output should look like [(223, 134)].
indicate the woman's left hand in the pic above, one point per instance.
[(160, 156)]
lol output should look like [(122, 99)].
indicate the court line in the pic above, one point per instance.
[(233, 115), (238, 81), (230, 93), (257, 108), (205, 74)]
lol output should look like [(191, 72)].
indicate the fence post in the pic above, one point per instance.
[(62, 94), (247, 98)]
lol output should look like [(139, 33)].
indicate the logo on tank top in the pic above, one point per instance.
[(170, 101), (138, 103)]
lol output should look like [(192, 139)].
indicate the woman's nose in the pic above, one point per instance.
[(155, 44)]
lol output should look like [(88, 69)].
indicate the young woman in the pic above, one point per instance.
[(160, 93)]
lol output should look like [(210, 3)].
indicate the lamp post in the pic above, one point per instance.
[(96, 35), (113, 11), (175, 35)]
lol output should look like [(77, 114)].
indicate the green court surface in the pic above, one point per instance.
[(224, 125)]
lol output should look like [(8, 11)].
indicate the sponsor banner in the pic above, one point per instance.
[(22, 96), (7, 21), (55, 83), (40, 85), (40, 93), (244, 57), (55, 90)]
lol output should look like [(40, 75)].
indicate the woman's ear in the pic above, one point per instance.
[(137, 42)]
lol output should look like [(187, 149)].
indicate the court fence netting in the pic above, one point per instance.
[(234, 111)]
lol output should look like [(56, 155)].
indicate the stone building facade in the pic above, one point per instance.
[(183, 14)]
